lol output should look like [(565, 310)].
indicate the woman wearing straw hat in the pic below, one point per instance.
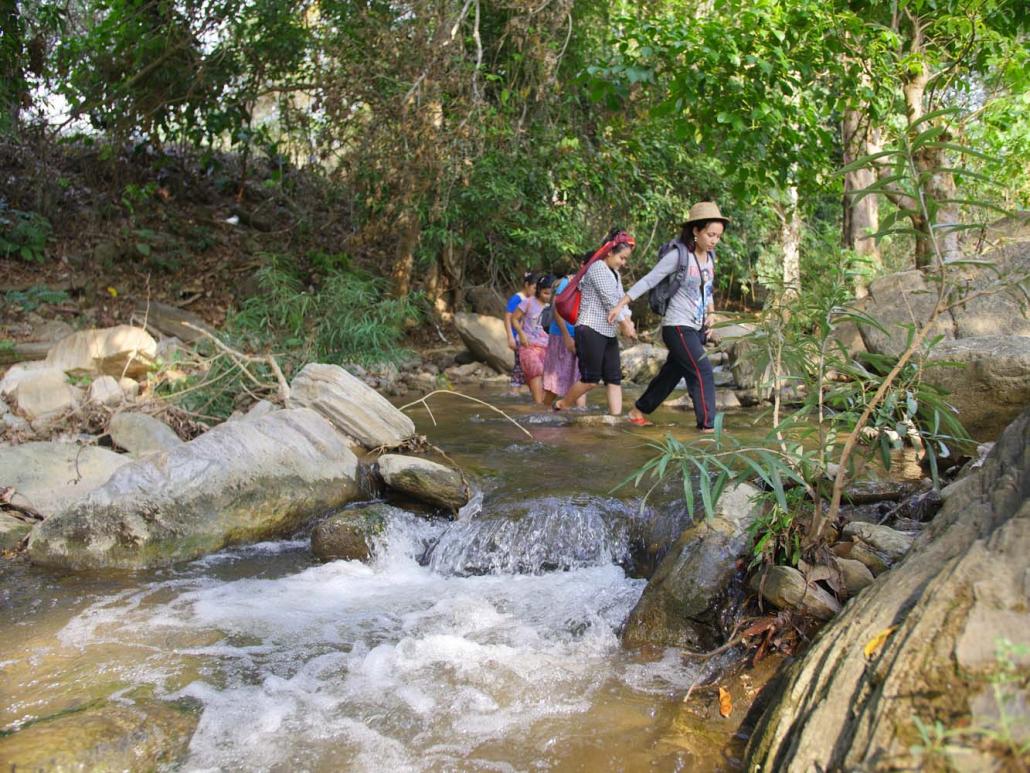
[(688, 316)]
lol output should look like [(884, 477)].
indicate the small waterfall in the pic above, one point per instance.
[(544, 535)]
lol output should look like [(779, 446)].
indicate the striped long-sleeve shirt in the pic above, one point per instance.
[(602, 289)]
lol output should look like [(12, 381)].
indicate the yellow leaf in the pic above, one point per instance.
[(725, 702), (876, 643), (112, 292)]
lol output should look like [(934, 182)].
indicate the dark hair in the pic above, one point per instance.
[(543, 282), (529, 278), (687, 234)]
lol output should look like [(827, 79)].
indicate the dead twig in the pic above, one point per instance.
[(242, 359), (423, 399)]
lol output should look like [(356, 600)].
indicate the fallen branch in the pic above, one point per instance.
[(242, 359), (423, 399)]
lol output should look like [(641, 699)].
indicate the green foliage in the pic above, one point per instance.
[(348, 318), (777, 533), (23, 235), (34, 297)]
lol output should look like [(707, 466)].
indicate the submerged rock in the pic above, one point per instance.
[(239, 482), (785, 588), (12, 531), (424, 480), (677, 606), (352, 406), (141, 434), (940, 616), (112, 737), (50, 476), (349, 535)]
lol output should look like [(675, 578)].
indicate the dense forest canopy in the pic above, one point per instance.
[(462, 141)]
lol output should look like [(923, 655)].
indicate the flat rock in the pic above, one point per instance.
[(40, 392), (239, 482), (785, 588), (140, 434), (49, 476), (424, 480), (349, 535), (353, 407), (486, 338), (677, 607), (893, 544), (118, 351)]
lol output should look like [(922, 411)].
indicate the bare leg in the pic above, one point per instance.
[(582, 401), (614, 395), (536, 387), (579, 389)]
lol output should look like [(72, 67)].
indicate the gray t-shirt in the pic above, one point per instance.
[(685, 307)]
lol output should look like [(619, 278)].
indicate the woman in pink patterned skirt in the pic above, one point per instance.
[(561, 369), (533, 337)]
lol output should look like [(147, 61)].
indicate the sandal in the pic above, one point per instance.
[(639, 421), (554, 405)]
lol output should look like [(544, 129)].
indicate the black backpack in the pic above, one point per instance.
[(547, 317), (660, 295)]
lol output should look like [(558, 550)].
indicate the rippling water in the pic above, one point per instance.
[(487, 643)]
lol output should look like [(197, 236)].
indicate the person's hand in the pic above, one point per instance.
[(617, 308), (511, 344), (570, 346), (629, 329), (523, 340)]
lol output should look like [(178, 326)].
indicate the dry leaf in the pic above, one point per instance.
[(725, 702), (876, 643)]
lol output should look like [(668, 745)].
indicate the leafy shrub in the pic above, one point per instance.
[(23, 234), (348, 318)]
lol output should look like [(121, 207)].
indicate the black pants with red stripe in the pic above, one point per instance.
[(687, 359)]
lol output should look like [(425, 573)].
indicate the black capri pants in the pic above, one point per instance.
[(598, 357)]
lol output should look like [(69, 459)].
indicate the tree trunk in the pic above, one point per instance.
[(861, 216), (408, 231), (850, 704), (12, 79), (790, 240)]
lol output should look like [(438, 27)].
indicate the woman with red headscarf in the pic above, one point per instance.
[(597, 347)]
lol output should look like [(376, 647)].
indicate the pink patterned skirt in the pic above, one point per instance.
[(561, 369), (532, 359)]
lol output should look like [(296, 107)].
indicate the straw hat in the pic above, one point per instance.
[(705, 210)]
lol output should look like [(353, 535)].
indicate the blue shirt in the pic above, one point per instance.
[(554, 330), (513, 303)]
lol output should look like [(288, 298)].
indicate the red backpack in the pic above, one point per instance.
[(568, 300)]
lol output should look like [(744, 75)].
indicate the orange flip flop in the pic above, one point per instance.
[(639, 421)]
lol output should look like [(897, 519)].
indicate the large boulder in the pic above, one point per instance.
[(39, 392), (239, 482), (486, 339), (992, 384), (49, 476), (140, 434), (353, 407), (907, 298), (424, 480), (678, 608), (921, 642), (118, 351), (642, 362)]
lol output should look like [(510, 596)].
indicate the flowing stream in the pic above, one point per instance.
[(486, 643)]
